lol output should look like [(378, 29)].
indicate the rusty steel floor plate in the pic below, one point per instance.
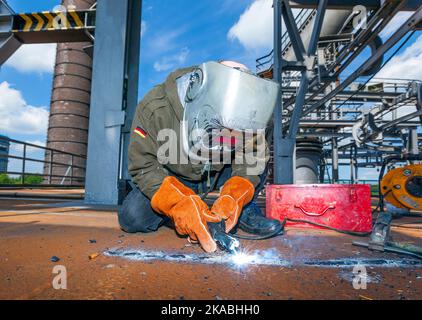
[(102, 262)]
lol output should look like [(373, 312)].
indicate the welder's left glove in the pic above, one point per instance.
[(235, 194)]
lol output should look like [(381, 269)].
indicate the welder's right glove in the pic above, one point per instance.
[(187, 210), (235, 194)]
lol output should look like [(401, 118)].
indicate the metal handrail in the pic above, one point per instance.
[(49, 162), (41, 147), (40, 161)]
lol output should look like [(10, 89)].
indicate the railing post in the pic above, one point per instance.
[(71, 170), (50, 168), (23, 164)]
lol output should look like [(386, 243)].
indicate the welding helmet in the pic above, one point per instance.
[(223, 100)]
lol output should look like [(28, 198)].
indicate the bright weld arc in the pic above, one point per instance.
[(242, 258)]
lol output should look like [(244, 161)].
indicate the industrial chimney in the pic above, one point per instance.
[(69, 109)]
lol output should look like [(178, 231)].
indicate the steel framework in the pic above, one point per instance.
[(348, 112)]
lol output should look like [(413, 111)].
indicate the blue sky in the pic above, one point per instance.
[(175, 34), (186, 32)]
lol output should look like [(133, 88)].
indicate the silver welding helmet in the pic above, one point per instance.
[(219, 97)]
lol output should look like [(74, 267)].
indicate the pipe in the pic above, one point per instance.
[(308, 158)]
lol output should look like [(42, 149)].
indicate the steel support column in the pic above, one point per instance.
[(8, 42), (116, 25), (284, 145), (279, 144), (131, 85)]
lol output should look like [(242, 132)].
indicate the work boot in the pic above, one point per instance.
[(253, 220)]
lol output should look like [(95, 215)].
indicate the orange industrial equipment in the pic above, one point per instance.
[(402, 187)]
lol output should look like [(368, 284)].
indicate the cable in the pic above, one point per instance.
[(278, 232), (281, 230), (212, 187), (352, 233)]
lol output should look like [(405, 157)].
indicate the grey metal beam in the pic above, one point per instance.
[(107, 115), (297, 111), (8, 43), (131, 80), (356, 95), (8, 46), (293, 31), (410, 5), (304, 82), (403, 119), (57, 26), (284, 147), (349, 123), (278, 111), (325, 134), (285, 167)]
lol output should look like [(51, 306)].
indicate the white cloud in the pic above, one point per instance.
[(254, 29), (406, 65), (16, 116), (18, 148), (164, 41), (38, 58), (172, 61), (144, 27)]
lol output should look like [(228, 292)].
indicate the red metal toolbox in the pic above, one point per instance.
[(344, 207)]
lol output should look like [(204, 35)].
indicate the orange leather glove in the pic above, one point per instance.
[(187, 210), (235, 194)]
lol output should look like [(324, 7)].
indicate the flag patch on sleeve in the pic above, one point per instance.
[(141, 132)]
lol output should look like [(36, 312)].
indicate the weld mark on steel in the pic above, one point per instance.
[(262, 257)]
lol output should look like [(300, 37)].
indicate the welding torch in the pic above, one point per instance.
[(224, 241)]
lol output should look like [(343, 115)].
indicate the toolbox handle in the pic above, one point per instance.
[(314, 214)]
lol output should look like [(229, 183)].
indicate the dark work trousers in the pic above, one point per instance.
[(136, 214)]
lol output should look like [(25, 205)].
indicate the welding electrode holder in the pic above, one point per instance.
[(224, 241)]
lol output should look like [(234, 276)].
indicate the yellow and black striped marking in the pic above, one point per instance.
[(50, 21)]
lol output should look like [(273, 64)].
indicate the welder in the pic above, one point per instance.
[(200, 115)]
